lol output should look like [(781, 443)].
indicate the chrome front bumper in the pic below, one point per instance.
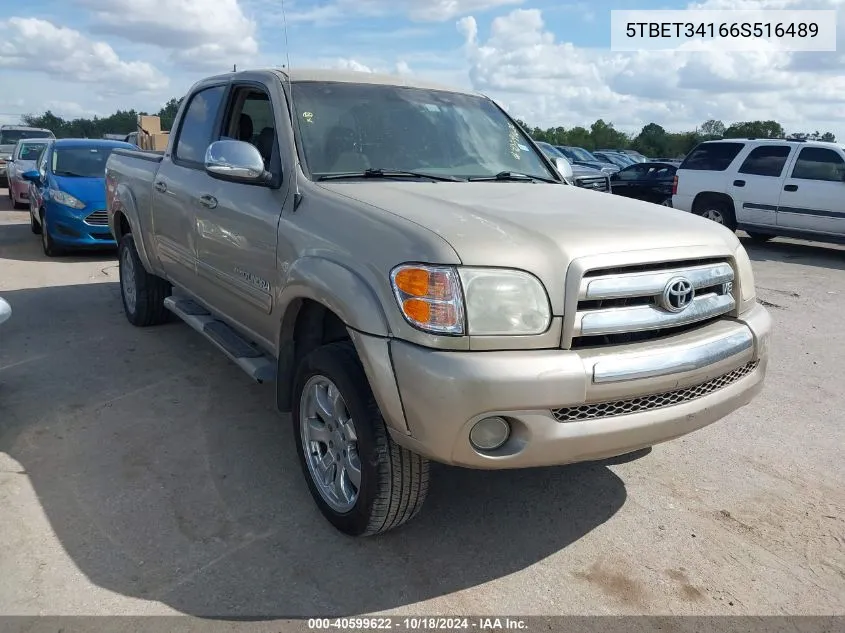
[(431, 399)]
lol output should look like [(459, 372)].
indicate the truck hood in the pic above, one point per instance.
[(542, 228)]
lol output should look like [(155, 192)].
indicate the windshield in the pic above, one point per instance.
[(347, 127), (31, 151), (81, 162), (583, 155), (550, 150), (10, 137)]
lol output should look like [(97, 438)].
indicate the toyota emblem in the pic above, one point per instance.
[(678, 294)]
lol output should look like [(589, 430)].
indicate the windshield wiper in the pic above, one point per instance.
[(71, 174), (386, 173), (512, 176)]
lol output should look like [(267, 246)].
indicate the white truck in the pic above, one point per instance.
[(766, 187)]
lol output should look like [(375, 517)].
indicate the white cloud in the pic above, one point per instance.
[(38, 45), (549, 82), (416, 10), (200, 34), (350, 64)]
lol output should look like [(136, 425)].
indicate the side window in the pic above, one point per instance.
[(197, 125), (819, 163), (712, 156), (634, 172), (249, 118), (766, 160)]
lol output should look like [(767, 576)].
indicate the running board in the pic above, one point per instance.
[(244, 354)]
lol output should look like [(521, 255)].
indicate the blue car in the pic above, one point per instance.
[(67, 195)]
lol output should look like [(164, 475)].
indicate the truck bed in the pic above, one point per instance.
[(144, 154)]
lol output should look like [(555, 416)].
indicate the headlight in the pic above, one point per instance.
[(504, 302), (498, 301), (429, 297), (66, 199), (746, 278)]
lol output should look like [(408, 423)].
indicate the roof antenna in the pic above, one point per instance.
[(297, 196), (234, 68)]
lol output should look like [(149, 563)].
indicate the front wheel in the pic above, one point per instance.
[(143, 294), (362, 481), (47, 244)]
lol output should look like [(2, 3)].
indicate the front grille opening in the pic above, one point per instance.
[(586, 342), (615, 408), (653, 267)]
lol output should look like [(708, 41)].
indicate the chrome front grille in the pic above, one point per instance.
[(98, 218), (597, 183), (644, 302), (615, 408)]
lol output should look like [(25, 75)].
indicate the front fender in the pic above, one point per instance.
[(125, 203), (338, 288)]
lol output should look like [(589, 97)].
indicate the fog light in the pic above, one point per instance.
[(490, 433)]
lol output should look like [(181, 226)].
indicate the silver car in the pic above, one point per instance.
[(9, 137), (24, 158)]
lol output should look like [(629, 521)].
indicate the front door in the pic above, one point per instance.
[(237, 223), (755, 188), (179, 176), (813, 197)]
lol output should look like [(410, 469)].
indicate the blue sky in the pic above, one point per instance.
[(548, 62)]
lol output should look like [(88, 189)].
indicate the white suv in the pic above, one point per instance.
[(766, 187)]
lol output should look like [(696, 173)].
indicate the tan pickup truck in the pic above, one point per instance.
[(422, 283)]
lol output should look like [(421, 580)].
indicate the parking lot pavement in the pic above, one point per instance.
[(142, 473)]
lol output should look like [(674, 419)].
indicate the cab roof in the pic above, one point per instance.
[(348, 76)]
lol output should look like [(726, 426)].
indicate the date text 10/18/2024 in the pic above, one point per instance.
[(429, 623)]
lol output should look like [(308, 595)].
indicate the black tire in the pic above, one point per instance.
[(759, 237), (47, 244), (719, 211), (33, 225), (150, 291), (394, 480)]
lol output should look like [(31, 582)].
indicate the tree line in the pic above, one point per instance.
[(656, 142), (653, 140), (121, 122)]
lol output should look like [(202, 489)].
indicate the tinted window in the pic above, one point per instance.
[(712, 156), (348, 127), (766, 160), (30, 151), (819, 163), (197, 125), (632, 172), (80, 162)]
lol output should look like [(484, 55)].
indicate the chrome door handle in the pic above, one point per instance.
[(161, 186), (208, 201)]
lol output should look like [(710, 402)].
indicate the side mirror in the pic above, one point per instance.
[(33, 175), (564, 168), (236, 161)]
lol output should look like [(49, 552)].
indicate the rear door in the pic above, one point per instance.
[(813, 196), (755, 187), (180, 176)]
